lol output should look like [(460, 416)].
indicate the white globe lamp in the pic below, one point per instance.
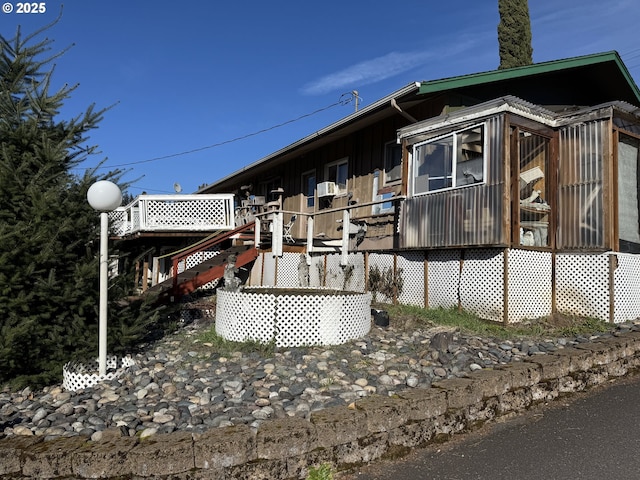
[(104, 196)]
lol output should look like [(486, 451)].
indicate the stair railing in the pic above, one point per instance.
[(201, 246)]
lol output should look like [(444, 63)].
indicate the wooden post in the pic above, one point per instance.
[(256, 232), (395, 277), (366, 271), (553, 282), (309, 234), (426, 279), (145, 275), (613, 264), (346, 223), (276, 236), (505, 283)]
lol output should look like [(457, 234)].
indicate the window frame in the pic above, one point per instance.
[(389, 149), (337, 163), (267, 186), (538, 214), (306, 197), (452, 173)]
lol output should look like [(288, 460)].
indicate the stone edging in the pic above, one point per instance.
[(372, 428)]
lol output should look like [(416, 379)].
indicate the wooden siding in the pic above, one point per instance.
[(466, 216), (364, 151)]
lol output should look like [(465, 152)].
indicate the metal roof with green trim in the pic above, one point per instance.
[(585, 80)]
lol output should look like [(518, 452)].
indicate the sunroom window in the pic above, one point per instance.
[(450, 161)]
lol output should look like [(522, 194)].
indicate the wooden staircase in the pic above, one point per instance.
[(190, 280)]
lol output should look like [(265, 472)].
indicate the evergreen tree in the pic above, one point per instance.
[(514, 34), (49, 235)]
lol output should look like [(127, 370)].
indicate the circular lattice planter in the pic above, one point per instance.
[(78, 376), (293, 317)]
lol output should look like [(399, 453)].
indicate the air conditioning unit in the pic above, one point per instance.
[(327, 189)]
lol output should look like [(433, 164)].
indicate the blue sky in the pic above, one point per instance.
[(185, 76)]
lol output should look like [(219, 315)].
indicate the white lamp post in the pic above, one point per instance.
[(104, 196)]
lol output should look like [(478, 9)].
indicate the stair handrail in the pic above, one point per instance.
[(200, 246), (195, 244)]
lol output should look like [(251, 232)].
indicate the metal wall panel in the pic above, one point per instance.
[(581, 216), (464, 216)]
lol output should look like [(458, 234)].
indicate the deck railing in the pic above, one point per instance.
[(174, 213)]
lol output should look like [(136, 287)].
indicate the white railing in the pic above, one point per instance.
[(174, 213)]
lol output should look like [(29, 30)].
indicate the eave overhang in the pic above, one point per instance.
[(367, 115), (608, 80)]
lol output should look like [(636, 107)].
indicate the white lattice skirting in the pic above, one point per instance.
[(293, 319), (78, 376)]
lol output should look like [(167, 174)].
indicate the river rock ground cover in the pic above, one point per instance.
[(190, 380)]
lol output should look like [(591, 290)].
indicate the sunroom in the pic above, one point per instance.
[(535, 208)]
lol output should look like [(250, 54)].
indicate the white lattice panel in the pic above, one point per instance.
[(355, 280), (316, 271), (78, 376), (530, 284), (334, 276), (383, 261), (412, 266), (481, 283), (118, 222), (199, 257), (443, 273), (135, 219), (305, 328), (582, 285), (626, 280), (210, 285), (345, 277), (175, 213), (294, 320), (244, 316), (288, 270), (355, 319)]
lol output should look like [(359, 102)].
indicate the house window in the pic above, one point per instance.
[(337, 172), (309, 189), (628, 216), (454, 160), (266, 188), (533, 185), (392, 162)]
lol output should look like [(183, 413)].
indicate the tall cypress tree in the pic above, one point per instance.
[(48, 232), (514, 34)]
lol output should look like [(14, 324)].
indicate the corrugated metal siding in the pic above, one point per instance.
[(463, 216), (580, 186)]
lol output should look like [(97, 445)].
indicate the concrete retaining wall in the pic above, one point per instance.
[(372, 428)]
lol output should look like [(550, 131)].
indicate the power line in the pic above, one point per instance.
[(345, 99)]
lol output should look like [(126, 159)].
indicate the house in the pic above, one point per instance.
[(510, 193)]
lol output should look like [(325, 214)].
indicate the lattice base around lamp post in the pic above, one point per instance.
[(78, 376)]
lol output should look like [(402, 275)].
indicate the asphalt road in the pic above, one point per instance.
[(586, 436)]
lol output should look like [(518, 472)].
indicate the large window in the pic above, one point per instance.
[(309, 189), (267, 187), (392, 162), (628, 217), (338, 173), (454, 160), (533, 186)]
